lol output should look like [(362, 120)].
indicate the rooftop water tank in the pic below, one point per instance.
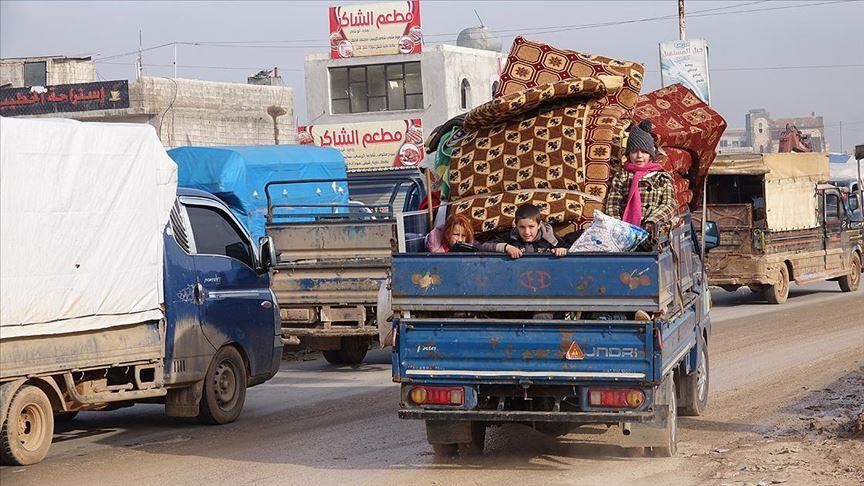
[(479, 38)]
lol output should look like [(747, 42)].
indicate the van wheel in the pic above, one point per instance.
[(26, 435), (693, 387), (224, 388), (779, 292), (670, 439), (353, 349), (849, 283)]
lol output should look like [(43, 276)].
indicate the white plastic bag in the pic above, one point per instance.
[(608, 234)]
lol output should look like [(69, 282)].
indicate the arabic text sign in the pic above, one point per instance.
[(375, 29), (61, 98), (370, 145), (686, 62)]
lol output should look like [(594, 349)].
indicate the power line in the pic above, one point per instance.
[(185, 66), (717, 11)]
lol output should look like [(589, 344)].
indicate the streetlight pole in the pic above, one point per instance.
[(681, 32)]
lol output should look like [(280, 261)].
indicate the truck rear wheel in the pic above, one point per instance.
[(850, 283), (478, 440), (779, 292), (333, 357), (353, 349), (224, 388), (670, 433), (693, 387), (26, 435)]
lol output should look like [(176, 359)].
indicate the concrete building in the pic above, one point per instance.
[(184, 111), (441, 82), (761, 133), (734, 140), (46, 70)]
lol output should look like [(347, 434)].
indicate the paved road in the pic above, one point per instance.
[(317, 424)]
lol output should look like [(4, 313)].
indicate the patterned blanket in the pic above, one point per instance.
[(555, 134)]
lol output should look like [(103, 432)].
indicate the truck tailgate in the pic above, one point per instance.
[(494, 282), (508, 351)]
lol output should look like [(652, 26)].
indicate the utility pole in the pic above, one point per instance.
[(140, 63), (681, 32), (175, 60), (841, 138)]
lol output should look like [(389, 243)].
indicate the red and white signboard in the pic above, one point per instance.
[(375, 29), (370, 145)]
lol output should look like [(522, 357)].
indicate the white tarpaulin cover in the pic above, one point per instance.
[(83, 207)]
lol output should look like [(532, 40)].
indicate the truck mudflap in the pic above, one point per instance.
[(513, 351)]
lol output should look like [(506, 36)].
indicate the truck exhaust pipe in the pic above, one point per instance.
[(625, 428)]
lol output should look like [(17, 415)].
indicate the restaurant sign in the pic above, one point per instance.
[(375, 29), (370, 145), (63, 98)]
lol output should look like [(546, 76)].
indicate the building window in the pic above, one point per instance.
[(376, 87), (35, 74), (724, 143), (465, 95)]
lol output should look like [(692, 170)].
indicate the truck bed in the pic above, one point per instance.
[(494, 282), (79, 351)]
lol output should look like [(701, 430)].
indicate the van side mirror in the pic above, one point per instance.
[(267, 250), (712, 235)]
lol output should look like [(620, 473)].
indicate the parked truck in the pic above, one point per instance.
[(332, 266), (332, 250), (552, 342), (781, 223), (118, 288)]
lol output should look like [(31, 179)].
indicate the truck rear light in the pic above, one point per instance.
[(615, 397), (437, 395)]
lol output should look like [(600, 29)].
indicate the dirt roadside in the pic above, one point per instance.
[(789, 400)]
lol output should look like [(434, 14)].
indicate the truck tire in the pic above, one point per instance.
[(850, 283), (730, 288), (333, 357), (26, 435), (224, 388), (353, 349), (478, 440), (445, 450), (693, 387), (670, 446), (65, 417), (779, 292)]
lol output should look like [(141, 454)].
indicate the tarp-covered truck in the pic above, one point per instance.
[(780, 223), (117, 288)]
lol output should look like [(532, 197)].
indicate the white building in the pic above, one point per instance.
[(441, 82), (183, 111)]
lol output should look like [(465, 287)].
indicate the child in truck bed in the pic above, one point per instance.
[(530, 234), (457, 229), (642, 193)]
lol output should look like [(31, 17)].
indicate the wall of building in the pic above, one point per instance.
[(443, 68), (193, 112), (58, 70)]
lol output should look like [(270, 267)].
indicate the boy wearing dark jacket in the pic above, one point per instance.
[(529, 235)]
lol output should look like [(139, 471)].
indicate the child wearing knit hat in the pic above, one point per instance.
[(642, 193)]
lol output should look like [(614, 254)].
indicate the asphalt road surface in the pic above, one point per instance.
[(783, 381)]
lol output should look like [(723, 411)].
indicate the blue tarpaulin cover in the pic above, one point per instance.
[(237, 175)]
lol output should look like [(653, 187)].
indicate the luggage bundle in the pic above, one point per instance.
[(554, 135)]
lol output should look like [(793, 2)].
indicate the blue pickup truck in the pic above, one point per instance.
[(552, 343)]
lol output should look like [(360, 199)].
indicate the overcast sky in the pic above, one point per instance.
[(763, 58)]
